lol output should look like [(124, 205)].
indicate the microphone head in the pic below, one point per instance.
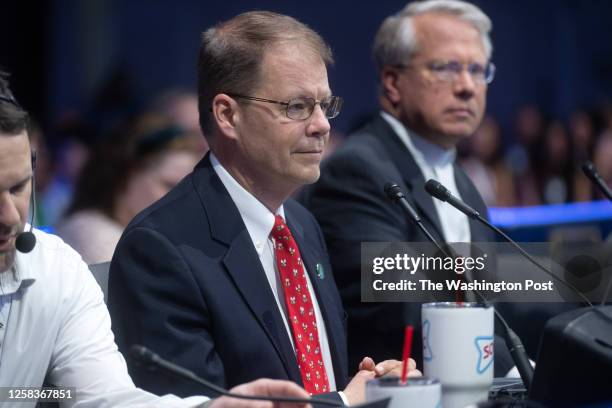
[(25, 242), (437, 190), (393, 191), (142, 354), (589, 170)]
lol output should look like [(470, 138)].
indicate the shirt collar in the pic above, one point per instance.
[(423, 150), (256, 217)]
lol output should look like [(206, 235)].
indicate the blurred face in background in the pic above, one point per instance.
[(529, 124), (486, 141), (183, 111), (153, 181), (557, 144), (15, 190), (602, 155)]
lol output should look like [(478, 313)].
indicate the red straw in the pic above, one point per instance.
[(407, 351)]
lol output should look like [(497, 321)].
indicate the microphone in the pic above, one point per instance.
[(590, 171), (152, 360), (437, 190), (515, 345), (26, 240), (395, 193)]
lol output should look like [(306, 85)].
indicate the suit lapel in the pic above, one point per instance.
[(325, 299), (410, 171), (243, 265), (242, 262), (470, 195)]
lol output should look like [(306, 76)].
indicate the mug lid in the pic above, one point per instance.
[(454, 305), (393, 381)]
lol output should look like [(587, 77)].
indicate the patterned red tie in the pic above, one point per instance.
[(300, 310)]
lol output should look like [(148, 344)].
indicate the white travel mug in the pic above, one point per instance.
[(458, 350)]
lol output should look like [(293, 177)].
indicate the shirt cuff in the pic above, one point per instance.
[(206, 404), (343, 398)]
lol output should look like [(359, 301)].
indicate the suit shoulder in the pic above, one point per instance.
[(177, 216)]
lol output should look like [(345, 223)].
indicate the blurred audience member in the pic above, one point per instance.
[(68, 157), (555, 171), (44, 168), (181, 107), (602, 159), (522, 155), (135, 167), (582, 132), (486, 166)]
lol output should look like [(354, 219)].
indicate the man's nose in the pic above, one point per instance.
[(319, 124), (464, 85)]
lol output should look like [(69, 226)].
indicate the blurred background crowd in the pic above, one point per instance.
[(111, 86)]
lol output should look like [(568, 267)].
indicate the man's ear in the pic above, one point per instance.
[(226, 113), (389, 78)]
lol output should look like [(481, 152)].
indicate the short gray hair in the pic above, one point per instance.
[(396, 42), (231, 54)]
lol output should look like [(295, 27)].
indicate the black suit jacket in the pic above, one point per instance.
[(351, 207), (186, 281)]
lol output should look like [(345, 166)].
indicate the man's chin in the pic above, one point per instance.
[(455, 134), (305, 175)]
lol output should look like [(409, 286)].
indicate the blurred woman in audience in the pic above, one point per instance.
[(43, 171), (522, 155), (180, 106), (68, 156), (486, 167), (555, 172), (583, 134), (134, 167), (602, 159)]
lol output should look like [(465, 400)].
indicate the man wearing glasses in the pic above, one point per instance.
[(54, 326), (434, 67), (226, 275)]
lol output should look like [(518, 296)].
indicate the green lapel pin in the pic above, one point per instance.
[(320, 271)]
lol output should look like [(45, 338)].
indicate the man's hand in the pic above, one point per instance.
[(368, 370), (389, 367), (264, 388), (355, 390)]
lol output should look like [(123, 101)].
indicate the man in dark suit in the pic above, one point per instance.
[(224, 275), (433, 60)]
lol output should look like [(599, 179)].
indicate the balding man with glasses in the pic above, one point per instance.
[(226, 275), (433, 59)]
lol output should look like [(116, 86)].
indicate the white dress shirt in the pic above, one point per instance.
[(259, 222), (436, 163), (55, 325)]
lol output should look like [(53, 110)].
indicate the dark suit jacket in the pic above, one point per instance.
[(351, 207), (186, 281)]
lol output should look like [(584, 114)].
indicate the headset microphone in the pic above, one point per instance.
[(26, 241)]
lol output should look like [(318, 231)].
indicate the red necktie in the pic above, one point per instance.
[(300, 310)]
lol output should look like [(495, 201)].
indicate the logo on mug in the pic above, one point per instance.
[(484, 344), (427, 354)]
